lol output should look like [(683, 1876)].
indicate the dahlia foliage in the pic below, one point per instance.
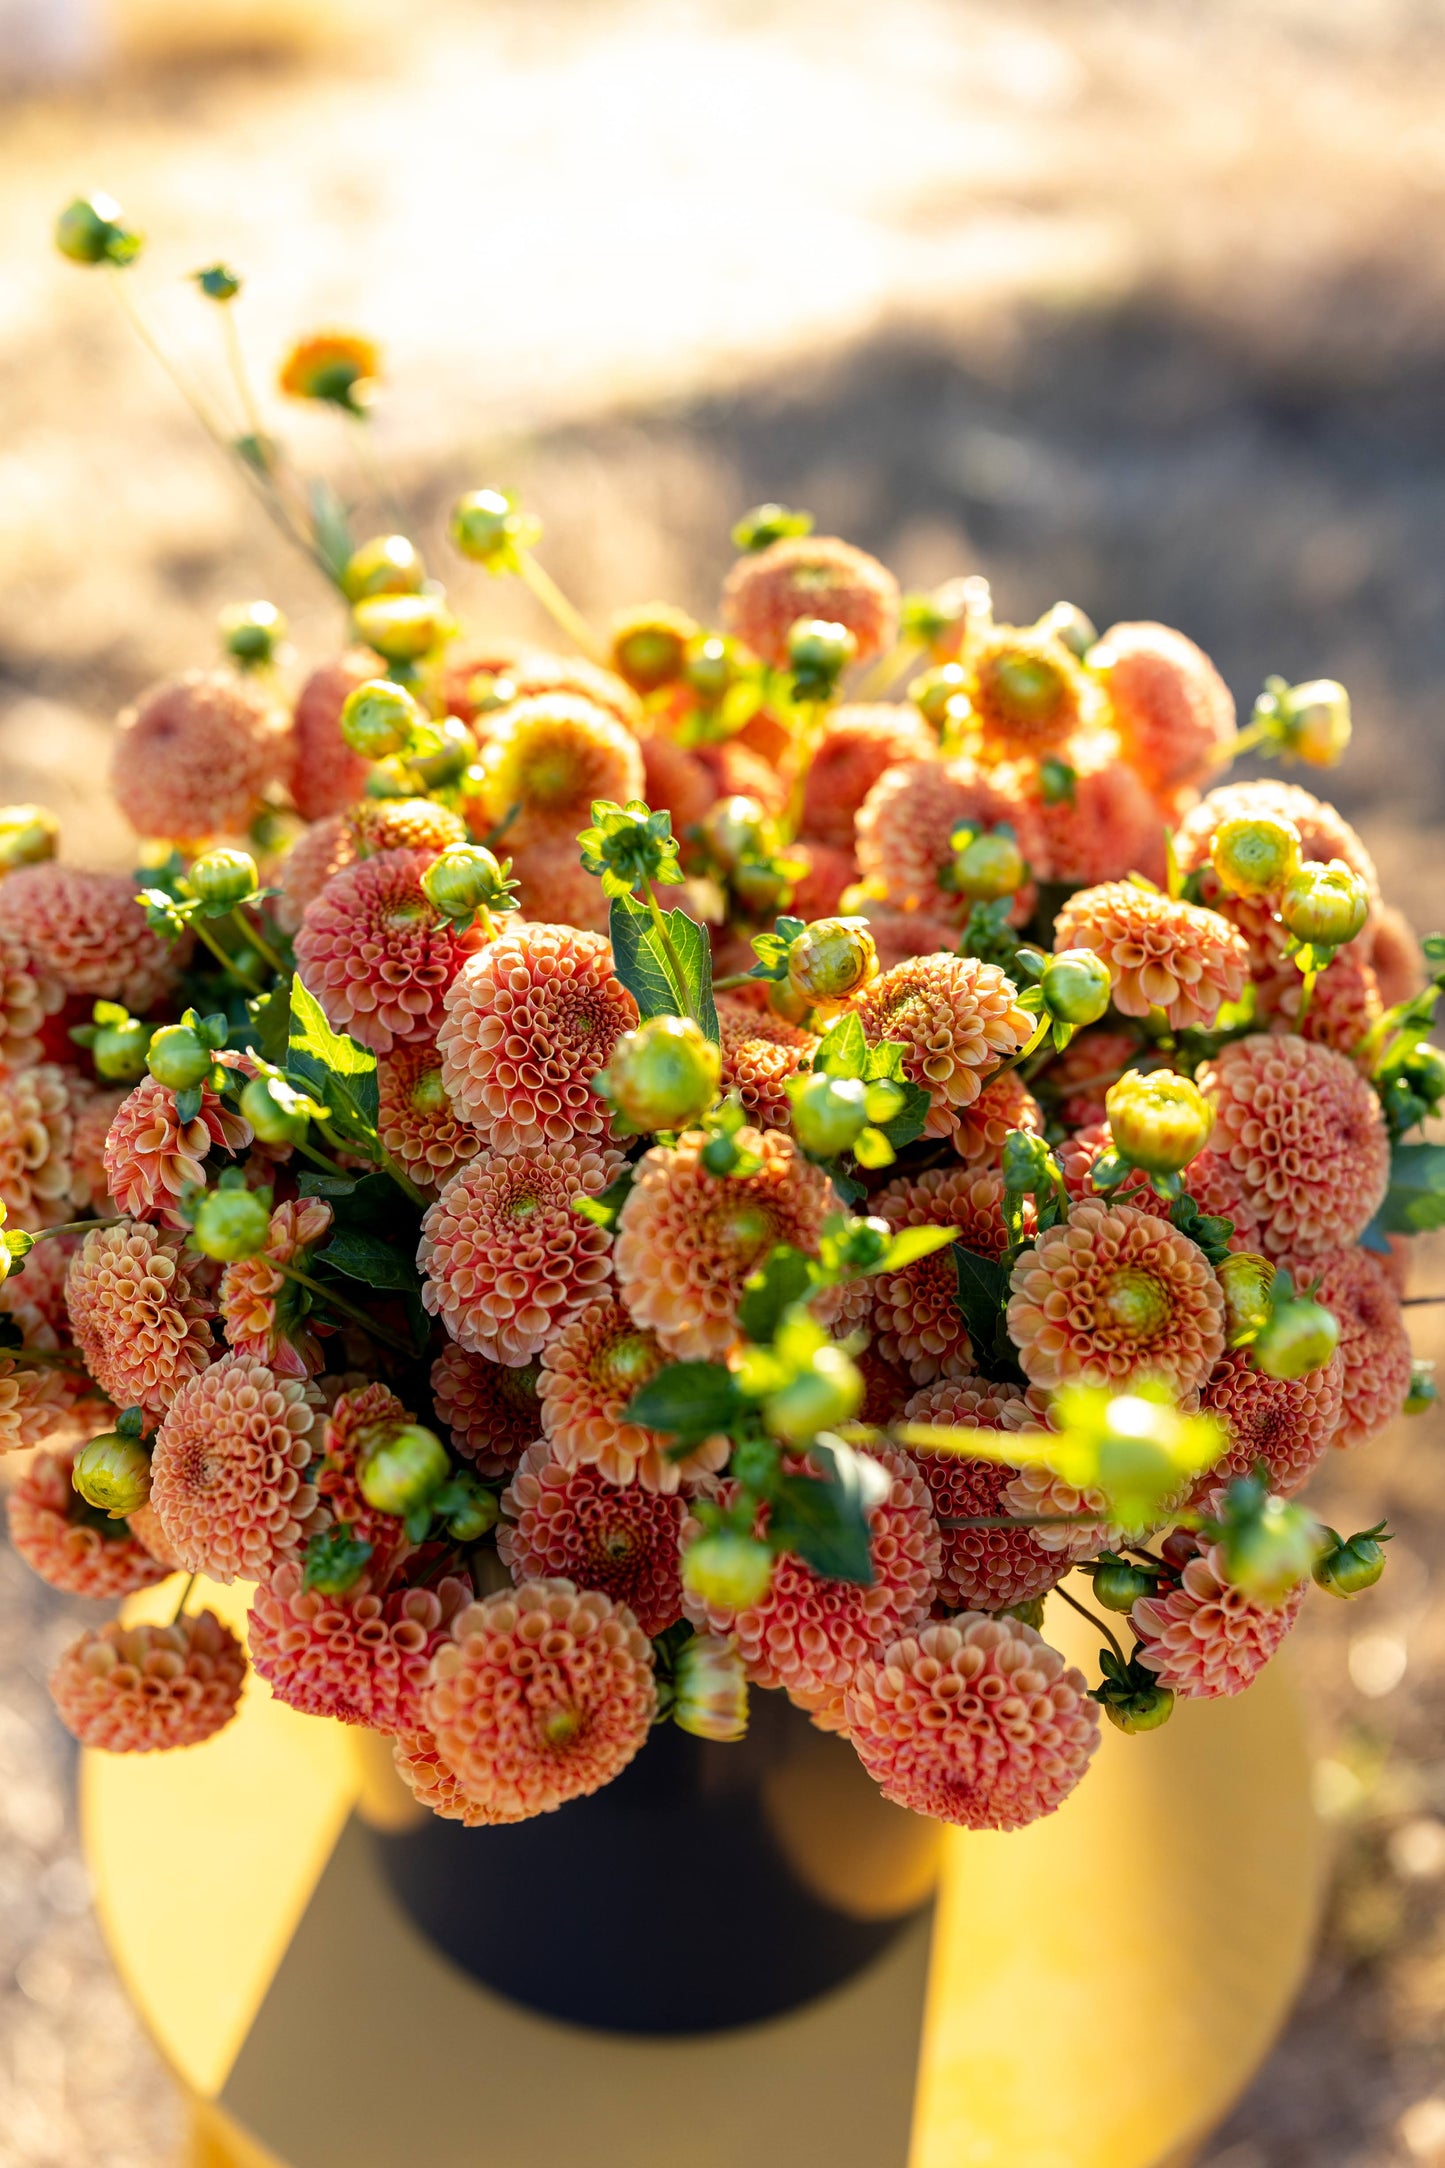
[(849, 1168)]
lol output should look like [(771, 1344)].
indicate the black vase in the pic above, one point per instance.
[(708, 1886)]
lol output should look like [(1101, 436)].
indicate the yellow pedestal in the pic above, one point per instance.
[(1090, 1993)]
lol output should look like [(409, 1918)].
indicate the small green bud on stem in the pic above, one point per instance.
[(113, 1474), (402, 1469)]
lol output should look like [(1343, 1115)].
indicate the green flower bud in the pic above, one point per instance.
[(711, 666), (218, 282), (1424, 1392), (223, 878), (1145, 1709), (179, 1057), (1298, 1338), (818, 653), (389, 564), (251, 632), (119, 1051), (987, 867), (833, 958), (1347, 1566), (650, 646), (1118, 1585), (401, 1468), (1067, 623), (737, 828), (403, 628), (477, 1518), (378, 719), (710, 1689), (1076, 986), (1158, 1121), (829, 1112), (1246, 1280), (1325, 905), (1257, 855), (466, 878), (268, 1105), (90, 230), (828, 1392), (113, 1474), (941, 695), (1311, 721), (1269, 1544), (231, 1223), (1027, 686), (760, 885), (488, 528), (1027, 1164), (29, 834), (768, 523), (664, 1075), (728, 1569)]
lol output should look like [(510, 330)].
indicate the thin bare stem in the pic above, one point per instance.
[(1094, 1620), (185, 1598), (882, 672), (77, 1227), (339, 1303), (558, 608), (228, 963), (258, 942)]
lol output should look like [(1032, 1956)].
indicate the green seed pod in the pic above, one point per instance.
[(113, 1474), (829, 1112), (29, 835), (1158, 1121), (1347, 1566), (829, 1392), (90, 230), (727, 1569), (378, 719), (223, 878), (266, 1109), (230, 1224), (1315, 721), (251, 632), (833, 958), (664, 1075), (477, 1518), (1119, 1585), (987, 867), (710, 1689), (179, 1057), (389, 564), (1299, 1337), (402, 1468), (119, 1051), (403, 628), (1076, 986), (1246, 1279), (1325, 905), (1256, 856)]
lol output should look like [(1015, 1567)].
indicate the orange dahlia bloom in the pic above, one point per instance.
[(739, 770), (898, 935), (492, 1410), (984, 1569), (260, 1314), (809, 1635), (1343, 1007), (1161, 954), (978, 1722), (326, 776), (1285, 1423), (329, 365), (1172, 709), (858, 743), (27, 997), (1005, 1104), (674, 778), (907, 822), (573, 1524), (1082, 1074), (827, 874), (537, 671), (34, 1404), (138, 1311), (687, 1239), (346, 1438), (1360, 1287), (91, 1113), (1036, 1490), (196, 754), (759, 1053), (529, 1022), (1303, 1134), (917, 1321), (554, 888), (417, 1122), (1324, 834), (313, 858), (69, 1545), (1104, 827), (229, 1470), (550, 756), (1206, 1637), (1112, 1296), (144, 1524), (377, 955), (956, 1019), (151, 1155), (87, 933), (541, 1695), (361, 1658), (37, 1133), (589, 1374), (1027, 691), (506, 1260), (433, 1783), (811, 575), (137, 1689)]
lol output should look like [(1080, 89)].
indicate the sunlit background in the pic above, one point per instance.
[(1138, 304)]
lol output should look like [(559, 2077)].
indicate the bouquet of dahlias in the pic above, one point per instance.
[(723, 1159)]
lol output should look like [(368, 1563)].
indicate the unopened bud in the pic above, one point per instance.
[(251, 632), (1314, 721), (113, 1474), (1325, 905), (819, 651), (833, 958), (987, 867), (378, 719), (941, 695), (828, 1392), (402, 1469), (91, 230), (1076, 986), (29, 834), (649, 646), (710, 1689), (119, 1051), (727, 1569), (1118, 1585), (1071, 627), (403, 628), (711, 666), (737, 828), (1348, 1565), (464, 879), (829, 1112), (1144, 1709), (1269, 1547), (223, 878), (487, 527), (759, 884), (1424, 1392), (1158, 1121), (389, 564), (230, 1224), (1246, 1280), (1255, 855), (179, 1057), (266, 1104), (1299, 1337), (664, 1075)]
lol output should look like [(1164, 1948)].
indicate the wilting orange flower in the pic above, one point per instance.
[(134, 1689), (195, 755)]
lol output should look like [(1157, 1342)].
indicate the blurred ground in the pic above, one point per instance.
[(1131, 303)]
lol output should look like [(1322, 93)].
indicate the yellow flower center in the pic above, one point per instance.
[(1134, 1302), (560, 1725), (746, 1228), (519, 1387), (428, 1094), (627, 1363)]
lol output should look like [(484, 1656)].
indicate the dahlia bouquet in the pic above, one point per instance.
[(600, 1178)]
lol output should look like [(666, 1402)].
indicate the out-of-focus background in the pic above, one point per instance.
[(1130, 301)]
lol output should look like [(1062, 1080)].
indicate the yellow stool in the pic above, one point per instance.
[(1092, 1993)]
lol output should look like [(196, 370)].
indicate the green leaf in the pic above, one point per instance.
[(983, 1286), (367, 1258), (911, 1243), (271, 1025), (771, 949), (604, 1208), (842, 1050), (334, 1560), (691, 1400), (188, 1103), (824, 1519), (1206, 1228), (332, 529), (909, 1123), (660, 986), (785, 1278), (332, 1066), (1415, 1200)]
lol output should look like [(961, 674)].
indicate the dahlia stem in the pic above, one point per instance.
[(734, 978), (1024, 1520), (1306, 997), (558, 608), (372, 471), (669, 950), (319, 1159), (79, 1227), (37, 1358), (402, 1181), (1045, 1025), (1419, 1302), (227, 963), (1243, 741), (814, 715), (1094, 1620), (258, 942), (185, 1599), (876, 681), (340, 1304)]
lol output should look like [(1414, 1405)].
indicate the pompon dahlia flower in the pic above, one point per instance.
[(917, 1321), (550, 756), (984, 1569), (956, 1019), (416, 1121), (404, 824), (542, 1694), (907, 822), (1323, 831), (1005, 1104), (759, 1053), (139, 1689), (858, 744), (573, 1524), (69, 1545), (1284, 1423), (196, 754), (809, 1634), (1105, 826), (687, 1239), (1112, 1296), (361, 1658), (589, 1373), (260, 1314), (433, 1783), (326, 776), (91, 1113), (1207, 1637), (27, 998), (505, 1258), (555, 889), (1171, 708), (1359, 1287), (151, 1155), (86, 932), (537, 671), (1344, 1005), (34, 1404), (229, 1470), (144, 1524), (321, 851), (346, 1439), (37, 1134), (812, 575), (138, 1310), (377, 955), (1037, 1492), (1161, 954), (1028, 693), (978, 1722), (492, 1410), (739, 770), (1303, 1136), (529, 1021)]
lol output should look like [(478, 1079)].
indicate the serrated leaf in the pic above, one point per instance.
[(689, 1400), (1415, 1200), (332, 1066), (842, 1050), (911, 1243), (659, 986), (375, 1263), (824, 1519), (604, 1208), (909, 1123), (785, 1278)]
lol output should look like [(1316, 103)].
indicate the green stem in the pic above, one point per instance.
[(240, 374), (402, 1180), (734, 978), (79, 1227), (881, 673), (319, 1159), (558, 608), (185, 1598), (36, 1358), (1094, 1620), (228, 963), (258, 941), (373, 473), (814, 715), (339, 1303), (1307, 994), (1243, 741), (669, 950), (1045, 1026)]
